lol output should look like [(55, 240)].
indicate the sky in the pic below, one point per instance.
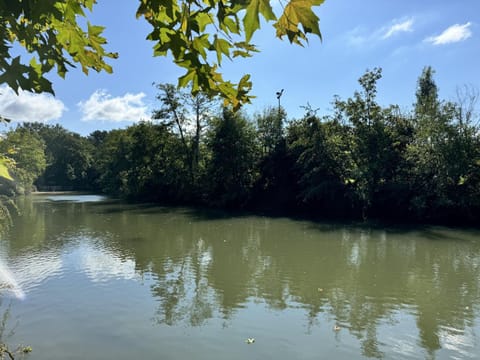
[(400, 36)]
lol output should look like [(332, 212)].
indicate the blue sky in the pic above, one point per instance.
[(400, 36)]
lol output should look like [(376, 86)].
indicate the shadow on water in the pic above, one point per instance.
[(107, 205), (196, 213)]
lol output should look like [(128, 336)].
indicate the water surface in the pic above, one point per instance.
[(105, 280)]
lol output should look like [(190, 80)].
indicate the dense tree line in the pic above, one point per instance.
[(361, 161)]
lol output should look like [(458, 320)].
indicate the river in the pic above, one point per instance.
[(85, 277)]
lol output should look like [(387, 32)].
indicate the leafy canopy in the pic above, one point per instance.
[(51, 35), (198, 34)]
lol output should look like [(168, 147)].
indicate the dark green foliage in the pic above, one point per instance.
[(372, 152), (275, 187), (142, 162), (69, 158), (27, 151), (231, 168), (317, 154), (270, 128), (362, 161), (444, 157)]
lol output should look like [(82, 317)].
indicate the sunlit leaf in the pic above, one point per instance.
[(4, 170), (222, 47), (299, 12), (251, 21)]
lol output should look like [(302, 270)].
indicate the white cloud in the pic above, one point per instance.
[(27, 106), (102, 106), (360, 37), (453, 34), (404, 26)]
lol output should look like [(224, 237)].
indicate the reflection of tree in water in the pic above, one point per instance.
[(171, 292), (360, 279), (182, 300), (380, 281), (445, 291), (182, 289), (205, 279), (210, 268)]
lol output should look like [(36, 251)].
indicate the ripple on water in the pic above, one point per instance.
[(33, 269), (459, 341)]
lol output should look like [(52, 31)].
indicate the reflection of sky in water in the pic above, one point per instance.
[(458, 342), (98, 264), (71, 198), (102, 264)]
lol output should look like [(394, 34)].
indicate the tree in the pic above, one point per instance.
[(270, 128), (27, 150), (111, 162), (443, 154), (274, 188), (317, 150), (189, 115), (426, 95), (69, 157), (190, 30), (142, 162), (371, 155), (231, 170)]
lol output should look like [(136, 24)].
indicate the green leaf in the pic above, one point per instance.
[(231, 25), (200, 44), (299, 12), (36, 66), (203, 19), (251, 21), (94, 31), (187, 78), (221, 47), (241, 53)]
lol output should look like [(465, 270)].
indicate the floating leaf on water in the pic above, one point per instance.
[(27, 349)]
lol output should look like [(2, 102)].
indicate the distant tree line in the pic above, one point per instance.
[(361, 161)]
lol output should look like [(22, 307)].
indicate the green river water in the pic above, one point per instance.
[(83, 277)]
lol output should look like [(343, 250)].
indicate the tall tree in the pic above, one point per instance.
[(371, 145), (317, 153), (188, 115), (427, 102), (275, 186), (270, 128), (443, 154), (232, 166)]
